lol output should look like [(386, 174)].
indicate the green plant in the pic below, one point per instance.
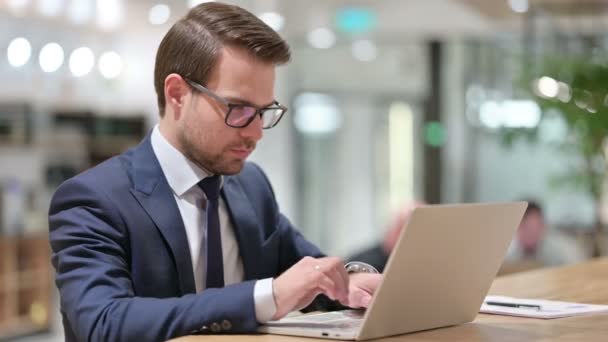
[(577, 90)]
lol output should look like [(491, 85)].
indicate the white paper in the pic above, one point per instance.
[(549, 308)]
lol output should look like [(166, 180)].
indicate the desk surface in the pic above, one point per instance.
[(586, 283)]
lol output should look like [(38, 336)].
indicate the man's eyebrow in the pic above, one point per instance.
[(236, 100)]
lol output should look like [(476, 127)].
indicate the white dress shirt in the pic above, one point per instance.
[(183, 177)]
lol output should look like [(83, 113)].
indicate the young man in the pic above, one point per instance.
[(180, 235), (535, 245)]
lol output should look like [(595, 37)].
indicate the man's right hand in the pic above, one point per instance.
[(297, 287)]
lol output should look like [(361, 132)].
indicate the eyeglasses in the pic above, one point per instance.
[(241, 115)]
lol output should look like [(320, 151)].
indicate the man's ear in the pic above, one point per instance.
[(176, 90)]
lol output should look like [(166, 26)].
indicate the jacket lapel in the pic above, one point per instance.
[(246, 227), (151, 189)]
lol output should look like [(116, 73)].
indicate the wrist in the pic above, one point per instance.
[(359, 267), (278, 314)]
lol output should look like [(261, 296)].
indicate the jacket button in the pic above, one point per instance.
[(215, 327), (226, 325)]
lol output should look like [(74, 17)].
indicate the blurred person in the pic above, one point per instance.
[(535, 243), (180, 235), (378, 254)]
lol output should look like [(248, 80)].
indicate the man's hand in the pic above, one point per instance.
[(299, 285), (361, 288)]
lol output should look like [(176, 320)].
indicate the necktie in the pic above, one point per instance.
[(215, 262)]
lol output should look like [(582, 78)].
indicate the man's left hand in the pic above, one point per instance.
[(361, 288)]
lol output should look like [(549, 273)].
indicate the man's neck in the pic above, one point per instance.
[(169, 135), (171, 138)]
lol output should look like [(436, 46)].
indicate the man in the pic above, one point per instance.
[(377, 255), (535, 245), (180, 235)]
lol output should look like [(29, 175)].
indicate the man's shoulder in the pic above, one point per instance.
[(559, 248), (110, 174)]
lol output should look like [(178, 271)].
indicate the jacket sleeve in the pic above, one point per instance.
[(293, 246), (91, 256)]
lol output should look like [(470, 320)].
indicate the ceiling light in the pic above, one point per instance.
[(50, 8), (82, 61), (364, 50), (547, 87), (316, 114), (519, 6), (110, 14), (321, 38), (159, 14), (17, 7), (19, 52), (110, 65), (80, 11), (510, 113), (51, 57), (564, 92)]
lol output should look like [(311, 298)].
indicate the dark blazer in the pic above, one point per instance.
[(122, 259)]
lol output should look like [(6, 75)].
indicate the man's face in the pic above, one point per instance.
[(202, 133), (531, 230)]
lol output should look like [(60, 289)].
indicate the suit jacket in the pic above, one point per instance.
[(122, 259)]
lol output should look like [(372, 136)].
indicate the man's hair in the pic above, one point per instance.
[(533, 206), (192, 45)]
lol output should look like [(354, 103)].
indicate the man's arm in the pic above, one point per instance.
[(91, 256), (305, 274)]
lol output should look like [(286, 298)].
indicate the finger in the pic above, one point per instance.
[(339, 283), (338, 273), (358, 299), (341, 271), (367, 282), (327, 284), (364, 300), (345, 278)]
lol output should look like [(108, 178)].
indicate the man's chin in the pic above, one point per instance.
[(232, 168)]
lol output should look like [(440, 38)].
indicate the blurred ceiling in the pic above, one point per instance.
[(449, 18), (413, 19), (394, 18), (500, 9)]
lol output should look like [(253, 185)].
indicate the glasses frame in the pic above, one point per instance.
[(258, 111)]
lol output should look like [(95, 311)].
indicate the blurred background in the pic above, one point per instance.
[(391, 101)]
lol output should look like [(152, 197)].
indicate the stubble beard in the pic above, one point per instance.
[(213, 164)]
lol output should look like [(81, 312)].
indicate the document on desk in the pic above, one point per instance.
[(537, 308)]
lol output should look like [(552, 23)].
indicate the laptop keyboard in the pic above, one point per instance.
[(345, 319)]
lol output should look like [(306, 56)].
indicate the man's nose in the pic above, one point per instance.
[(254, 130)]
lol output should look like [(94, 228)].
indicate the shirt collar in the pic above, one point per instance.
[(181, 173)]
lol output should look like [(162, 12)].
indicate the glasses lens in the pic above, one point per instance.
[(240, 115), (270, 117)]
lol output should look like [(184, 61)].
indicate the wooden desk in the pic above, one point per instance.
[(587, 283)]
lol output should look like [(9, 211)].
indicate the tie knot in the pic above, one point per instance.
[(211, 187)]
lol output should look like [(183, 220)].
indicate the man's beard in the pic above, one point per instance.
[(214, 165)]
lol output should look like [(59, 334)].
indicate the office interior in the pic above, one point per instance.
[(391, 101)]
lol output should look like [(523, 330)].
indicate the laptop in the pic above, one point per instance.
[(437, 275)]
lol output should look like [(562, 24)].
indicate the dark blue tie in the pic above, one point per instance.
[(215, 262)]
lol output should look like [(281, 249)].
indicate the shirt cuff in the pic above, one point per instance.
[(263, 298)]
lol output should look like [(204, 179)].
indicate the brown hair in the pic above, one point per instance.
[(192, 45)]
